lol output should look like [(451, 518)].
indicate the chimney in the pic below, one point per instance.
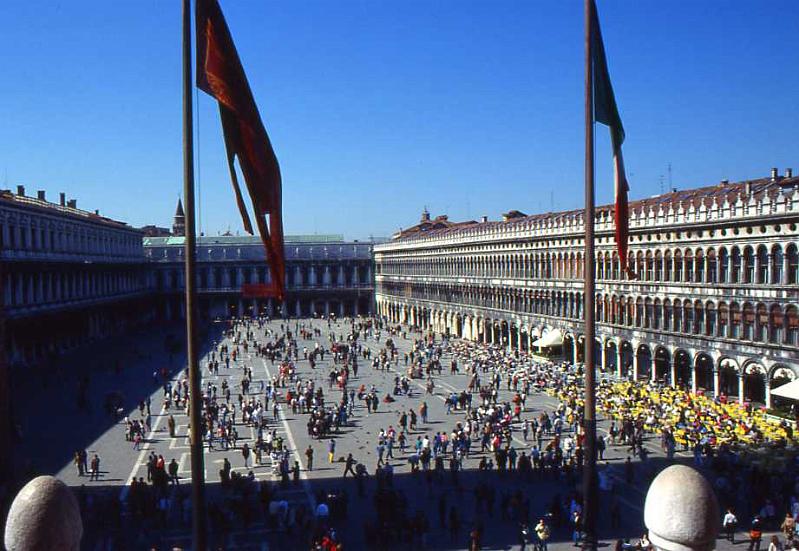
[(97, 212), (41, 195), (483, 219), (21, 191), (773, 174), (789, 173), (725, 182), (72, 203), (748, 188), (62, 199)]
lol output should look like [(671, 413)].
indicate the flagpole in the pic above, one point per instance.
[(195, 401), (590, 490)]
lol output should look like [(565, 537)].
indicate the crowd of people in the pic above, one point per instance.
[(488, 427)]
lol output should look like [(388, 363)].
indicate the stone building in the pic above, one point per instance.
[(324, 274), (68, 275), (713, 304)]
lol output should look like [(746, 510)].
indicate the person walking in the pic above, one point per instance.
[(309, 457), (542, 534), (348, 468), (331, 450), (95, 472), (729, 524), (755, 534), (245, 453)]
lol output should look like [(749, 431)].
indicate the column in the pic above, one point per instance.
[(356, 311), (297, 308), (694, 385), (768, 392), (741, 380), (340, 308), (673, 371), (716, 381), (327, 308), (602, 357), (574, 350), (635, 362), (618, 360)]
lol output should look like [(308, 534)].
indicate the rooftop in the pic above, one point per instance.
[(69, 209), (242, 240), (731, 192)]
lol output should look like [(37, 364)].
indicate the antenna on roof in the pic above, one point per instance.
[(669, 169), (661, 184)]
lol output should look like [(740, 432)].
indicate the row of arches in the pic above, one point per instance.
[(775, 264), (742, 377)]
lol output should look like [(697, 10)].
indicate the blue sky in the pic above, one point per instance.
[(376, 109)]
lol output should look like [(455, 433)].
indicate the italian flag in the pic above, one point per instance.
[(606, 112)]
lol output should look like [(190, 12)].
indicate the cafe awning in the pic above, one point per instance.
[(552, 338), (788, 390)]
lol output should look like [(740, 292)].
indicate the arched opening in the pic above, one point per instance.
[(781, 375), (682, 367), (568, 347), (644, 358), (626, 359), (704, 372), (662, 367), (728, 377), (754, 383), (610, 357)]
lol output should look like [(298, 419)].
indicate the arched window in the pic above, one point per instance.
[(724, 265), (761, 323), (649, 313), (791, 326), (678, 316), (749, 266), (639, 312), (688, 314), (776, 265), (658, 314), (775, 325), (710, 319), (700, 266), (699, 319), (650, 266), (689, 267), (724, 319), (615, 266), (735, 320), (736, 270), (678, 266), (667, 315), (762, 261), (712, 267), (793, 264), (667, 266), (658, 266)]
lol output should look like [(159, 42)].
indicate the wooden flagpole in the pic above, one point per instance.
[(590, 489), (195, 404)]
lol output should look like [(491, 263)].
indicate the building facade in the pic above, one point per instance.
[(68, 275), (324, 275), (712, 306)]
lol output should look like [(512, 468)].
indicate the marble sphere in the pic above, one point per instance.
[(44, 516), (681, 511)]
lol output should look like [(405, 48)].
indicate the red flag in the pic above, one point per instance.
[(220, 74)]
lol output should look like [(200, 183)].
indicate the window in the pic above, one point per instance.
[(776, 265), (749, 266), (793, 264), (762, 268), (761, 323), (724, 266), (776, 322), (791, 326)]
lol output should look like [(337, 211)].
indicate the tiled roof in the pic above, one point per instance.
[(732, 192)]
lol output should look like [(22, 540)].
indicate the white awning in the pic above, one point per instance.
[(552, 338), (535, 332), (788, 390)]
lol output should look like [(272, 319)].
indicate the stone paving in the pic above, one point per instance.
[(57, 437)]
